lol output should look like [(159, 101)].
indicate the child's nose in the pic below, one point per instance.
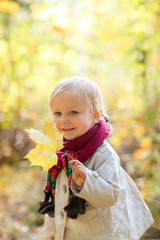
[(65, 119)]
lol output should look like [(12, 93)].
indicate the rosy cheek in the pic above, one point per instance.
[(55, 121)]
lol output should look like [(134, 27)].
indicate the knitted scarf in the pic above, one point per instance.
[(87, 144)]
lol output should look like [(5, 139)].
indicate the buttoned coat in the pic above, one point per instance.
[(115, 209)]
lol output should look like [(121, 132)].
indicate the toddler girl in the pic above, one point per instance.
[(88, 195)]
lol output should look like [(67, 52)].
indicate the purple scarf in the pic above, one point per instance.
[(87, 144)]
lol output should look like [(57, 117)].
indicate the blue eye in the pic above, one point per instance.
[(57, 113), (74, 112)]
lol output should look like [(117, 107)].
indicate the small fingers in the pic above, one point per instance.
[(73, 162), (76, 165), (79, 169)]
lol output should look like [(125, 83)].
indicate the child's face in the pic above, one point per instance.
[(71, 114)]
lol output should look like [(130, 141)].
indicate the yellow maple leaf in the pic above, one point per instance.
[(48, 143)]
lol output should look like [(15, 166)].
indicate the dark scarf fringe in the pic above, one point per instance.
[(76, 205), (48, 205)]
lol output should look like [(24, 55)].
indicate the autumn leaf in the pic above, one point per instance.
[(9, 6), (143, 193), (146, 143), (48, 143)]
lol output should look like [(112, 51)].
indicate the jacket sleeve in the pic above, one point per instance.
[(101, 188)]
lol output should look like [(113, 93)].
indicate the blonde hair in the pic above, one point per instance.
[(90, 90)]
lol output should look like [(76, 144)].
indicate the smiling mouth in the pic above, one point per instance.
[(67, 130)]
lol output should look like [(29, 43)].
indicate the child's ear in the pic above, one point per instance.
[(97, 116)]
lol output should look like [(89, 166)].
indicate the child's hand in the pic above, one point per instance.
[(79, 172)]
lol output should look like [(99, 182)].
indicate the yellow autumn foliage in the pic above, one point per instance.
[(48, 143), (9, 6), (146, 143)]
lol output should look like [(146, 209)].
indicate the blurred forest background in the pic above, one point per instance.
[(117, 44)]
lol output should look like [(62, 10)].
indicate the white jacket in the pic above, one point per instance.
[(115, 209)]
